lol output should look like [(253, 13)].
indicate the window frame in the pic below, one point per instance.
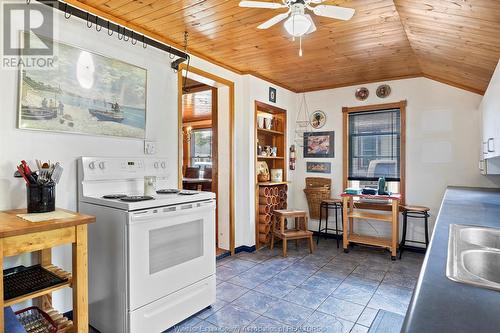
[(191, 144), (401, 105)]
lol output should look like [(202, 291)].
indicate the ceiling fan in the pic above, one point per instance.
[(299, 23)]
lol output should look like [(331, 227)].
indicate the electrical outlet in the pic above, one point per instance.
[(149, 147)]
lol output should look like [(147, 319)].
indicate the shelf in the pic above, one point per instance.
[(270, 157), (272, 183), (267, 131), (371, 216), (370, 240), (54, 269), (64, 325)]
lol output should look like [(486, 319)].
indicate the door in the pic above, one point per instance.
[(169, 248)]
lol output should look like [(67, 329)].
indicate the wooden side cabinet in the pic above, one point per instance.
[(18, 236)]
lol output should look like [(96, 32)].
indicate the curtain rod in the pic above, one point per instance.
[(126, 33)]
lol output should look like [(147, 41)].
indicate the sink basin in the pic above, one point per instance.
[(487, 237), (474, 256), (483, 264)]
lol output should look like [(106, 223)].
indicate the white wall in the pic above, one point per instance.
[(442, 142)]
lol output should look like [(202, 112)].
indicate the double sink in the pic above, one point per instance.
[(474, 256)]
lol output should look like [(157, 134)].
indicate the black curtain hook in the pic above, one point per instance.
[(28, 2), (125, 37), (97, 26), (171, 56), (120, 38), (144, 45), (133, 41), (67, 14), (110, 34), (89, 23)]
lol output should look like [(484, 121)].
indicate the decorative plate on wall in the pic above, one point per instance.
[(383, 91), (318, 119), (362, 93)]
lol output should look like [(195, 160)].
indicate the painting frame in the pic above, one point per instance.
[(272, 95), (141, 131), (319, 167), (319, 144)]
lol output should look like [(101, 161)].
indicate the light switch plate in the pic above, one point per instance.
[(149, 147)]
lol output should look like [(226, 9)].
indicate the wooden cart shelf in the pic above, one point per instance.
[(267, 131), (370, 240), (19, 236), (47, 291), (372, 216), (352, 212), (272, 183)]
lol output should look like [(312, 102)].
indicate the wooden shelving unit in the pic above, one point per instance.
[(18, 236), (270, 196)]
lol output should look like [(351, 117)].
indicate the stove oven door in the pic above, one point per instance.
[(170, 248)]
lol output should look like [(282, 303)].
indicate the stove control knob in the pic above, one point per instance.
[(163, 165), (92, 165), (101, 165), (156, 165)]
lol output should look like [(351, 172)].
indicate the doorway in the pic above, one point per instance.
[(206, 104)]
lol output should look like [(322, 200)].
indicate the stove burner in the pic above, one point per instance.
[(168, 191), (188, 192), (135, 198), (114, 196)]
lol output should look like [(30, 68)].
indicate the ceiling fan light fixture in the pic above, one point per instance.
[(298, 24)]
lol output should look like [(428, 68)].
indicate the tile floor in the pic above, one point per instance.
[(327, 291)]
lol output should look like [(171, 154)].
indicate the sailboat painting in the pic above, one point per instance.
[(83, 93)]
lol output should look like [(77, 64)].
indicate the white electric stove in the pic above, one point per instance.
[(151, 259)]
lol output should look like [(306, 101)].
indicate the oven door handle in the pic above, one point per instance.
[(152, 214)]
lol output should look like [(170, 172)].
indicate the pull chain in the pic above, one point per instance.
[(300, 46)]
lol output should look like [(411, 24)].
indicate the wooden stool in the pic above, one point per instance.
[(299, 232), (416, 212), (326, 205)]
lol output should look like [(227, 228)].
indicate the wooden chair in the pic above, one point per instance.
[(192, 172), (299, 232)]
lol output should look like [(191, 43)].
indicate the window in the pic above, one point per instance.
[(374, 145), (201, 147)]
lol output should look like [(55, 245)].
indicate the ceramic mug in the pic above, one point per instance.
[(149, 185), (260, 122), (276, 175), (268, 123), (274, 151)]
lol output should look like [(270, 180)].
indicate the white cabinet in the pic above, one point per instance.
[(490, 114)]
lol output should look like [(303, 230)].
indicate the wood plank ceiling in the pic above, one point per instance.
[(454, 41)]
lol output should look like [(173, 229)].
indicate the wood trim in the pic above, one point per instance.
[(401, 105), (230, 85), (31, 242), (215, 157)]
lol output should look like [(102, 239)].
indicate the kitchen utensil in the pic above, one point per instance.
[(57, 173)]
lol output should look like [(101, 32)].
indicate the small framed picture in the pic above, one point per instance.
[(319, 144), (272, 94), (319, 167)]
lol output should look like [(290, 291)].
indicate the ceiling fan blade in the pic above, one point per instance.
[(336, 12), (276, 19), (261, 4), (313, 26)]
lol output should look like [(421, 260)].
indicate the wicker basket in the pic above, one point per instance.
[(317, 189)]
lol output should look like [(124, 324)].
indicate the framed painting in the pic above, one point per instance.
[(319, 167), (83, 93), (319, 144)]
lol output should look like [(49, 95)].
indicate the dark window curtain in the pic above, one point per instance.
[(374, 145)]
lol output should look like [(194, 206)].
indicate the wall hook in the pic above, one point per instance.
[(89, 23), (125, 37), (110, 34), (67, 14), (171, 56), (97, 26), (144, 45), (134, 40), (120, 38)]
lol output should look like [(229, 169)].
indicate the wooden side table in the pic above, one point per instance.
[(299, 232), (351, 212), (19, 236)]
